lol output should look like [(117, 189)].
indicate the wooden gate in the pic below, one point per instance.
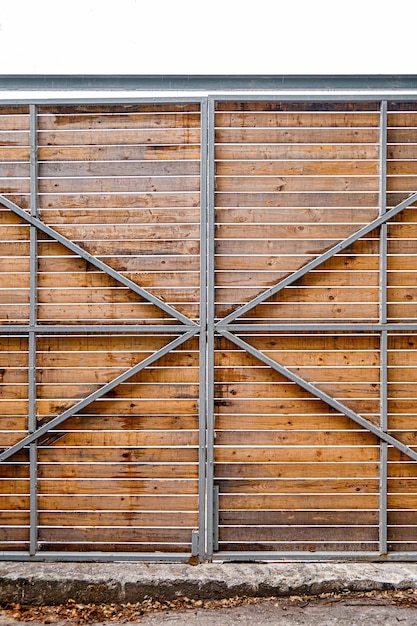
[(101, 295), (209, 329), (314, 298)]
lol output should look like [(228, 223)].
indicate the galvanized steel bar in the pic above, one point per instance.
[(94, 556), (342, 327), (50, 329), (318, 393), (383, 344), (81, 329), (302, 84), (32, 339), (56, 421), (289, 280), (95, 261), (203, 336), (210, 326)]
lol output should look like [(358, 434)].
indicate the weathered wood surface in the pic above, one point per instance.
[(292, 180)]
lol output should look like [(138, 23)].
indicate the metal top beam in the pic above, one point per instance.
[(209, 82)]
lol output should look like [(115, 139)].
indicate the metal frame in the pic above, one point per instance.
[(184, 327), (229, 327), (213, 89)]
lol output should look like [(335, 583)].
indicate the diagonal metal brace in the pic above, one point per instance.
[(289, 280), (318, 393), (95, 395), (51, 232)]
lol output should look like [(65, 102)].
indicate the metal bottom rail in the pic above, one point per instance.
[(315, 556), (94, 557)]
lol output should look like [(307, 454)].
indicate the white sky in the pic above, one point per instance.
[(208, 37)]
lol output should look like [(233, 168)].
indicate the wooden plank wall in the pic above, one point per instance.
[(124, 183), (293, 179)]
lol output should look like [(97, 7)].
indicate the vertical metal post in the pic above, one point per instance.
[(383, 345), (32, 422), (210, 323), (203, 335)]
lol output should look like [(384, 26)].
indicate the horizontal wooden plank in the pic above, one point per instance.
[(158, 136), (316, 107), (302, 216), (254, 486), (302, 454), (265, 374), (299, 518), (242, 183), (118, 519), (114, 547), (299, 501), (14, 170), (161, 152), (295, 471), (299, 311), (276, 262), (14, 138), (278, 119), (298, 534), (156, 215), (284, 167), (112, 471), (285, 231), (307, 294), (128, 120), (117, 535), (126, 390), (101, 342), (305, 151), (402, 135), (134, 503), (100, 280), (64, 455), (149, 107), (131, 184), (161, 374), (115, 200), (291, 390), (294, 438), (289, 199), (117, 486), (293, 247), (127, 407), (301, 135), (12, 154), (100, 169), (267, 278), (122, 232)]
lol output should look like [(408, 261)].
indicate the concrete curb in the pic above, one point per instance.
[(56, 583)]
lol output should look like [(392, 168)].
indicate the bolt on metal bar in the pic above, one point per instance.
[(51, 232), (32, 338), (56, 421), (210, 328), (383, 343), (289, 280), (318, 393), (202, 337)]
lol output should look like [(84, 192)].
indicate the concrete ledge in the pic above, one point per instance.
[(56, 583)]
